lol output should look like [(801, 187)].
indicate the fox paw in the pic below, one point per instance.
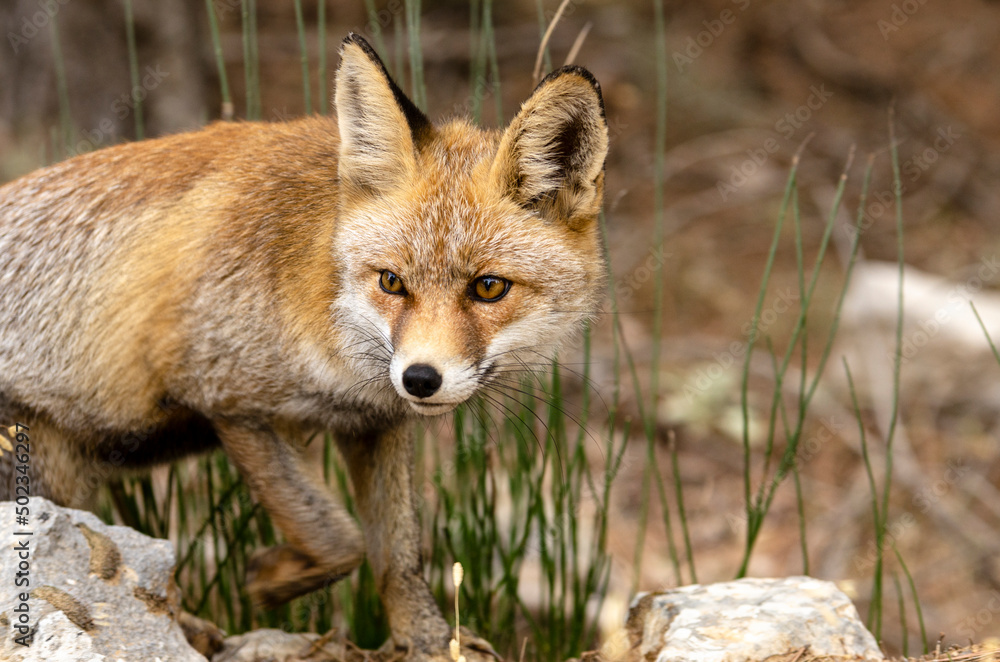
[(473, 648), (477, 649), (204, 636), (277, 574)]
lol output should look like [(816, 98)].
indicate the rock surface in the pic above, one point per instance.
[(96, 591), (269, 645), (743, 620)]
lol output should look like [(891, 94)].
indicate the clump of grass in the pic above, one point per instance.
[(758, 501)]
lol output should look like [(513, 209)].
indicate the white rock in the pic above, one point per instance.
[(62, 641), (747, 619), (96, 591), (268, 645), (933, 304)]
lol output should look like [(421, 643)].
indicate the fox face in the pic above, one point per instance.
[(466, 253)]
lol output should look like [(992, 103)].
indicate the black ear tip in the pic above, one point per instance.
[(420, 126), (359, 41), (581, 72), (353, 38)]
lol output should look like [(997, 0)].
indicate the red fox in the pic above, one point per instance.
[(249, 283)]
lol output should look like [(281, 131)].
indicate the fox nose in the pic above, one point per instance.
[(421, 380)]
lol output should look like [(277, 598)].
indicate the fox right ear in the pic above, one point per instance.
[(551, 157), (380, 128)]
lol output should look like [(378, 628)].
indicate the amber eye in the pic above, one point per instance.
[(391, 283), (489, 288)]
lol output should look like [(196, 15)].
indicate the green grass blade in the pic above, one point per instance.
[(898, 355), (659, 206), (251, 61), (904, 630), (324, 101), (62, 90), (681, 510), (220, 62), (543, 25), (133, 68), (874, 613), (883, 511), (494, 62), (800, 507), (416, 54), (993, 347), (916, 600), (300, 26), (667, 522), (851, 262)]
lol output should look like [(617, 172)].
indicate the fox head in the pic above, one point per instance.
[(465, 253)]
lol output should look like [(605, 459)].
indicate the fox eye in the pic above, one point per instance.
[(391, 283), (489, 288)]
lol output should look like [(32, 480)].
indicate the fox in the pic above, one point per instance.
[(250, 283)]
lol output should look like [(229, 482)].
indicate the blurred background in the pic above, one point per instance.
[(749, 84)]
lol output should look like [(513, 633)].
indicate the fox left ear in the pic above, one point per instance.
[(380, 128), (551, 157)]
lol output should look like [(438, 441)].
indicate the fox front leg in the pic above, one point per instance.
[(324, 542), (381, 468)]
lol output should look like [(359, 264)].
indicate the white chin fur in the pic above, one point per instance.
[(432, 409)]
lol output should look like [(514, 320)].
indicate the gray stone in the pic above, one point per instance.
[(269, 645), (96, 591), (747, 619)]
